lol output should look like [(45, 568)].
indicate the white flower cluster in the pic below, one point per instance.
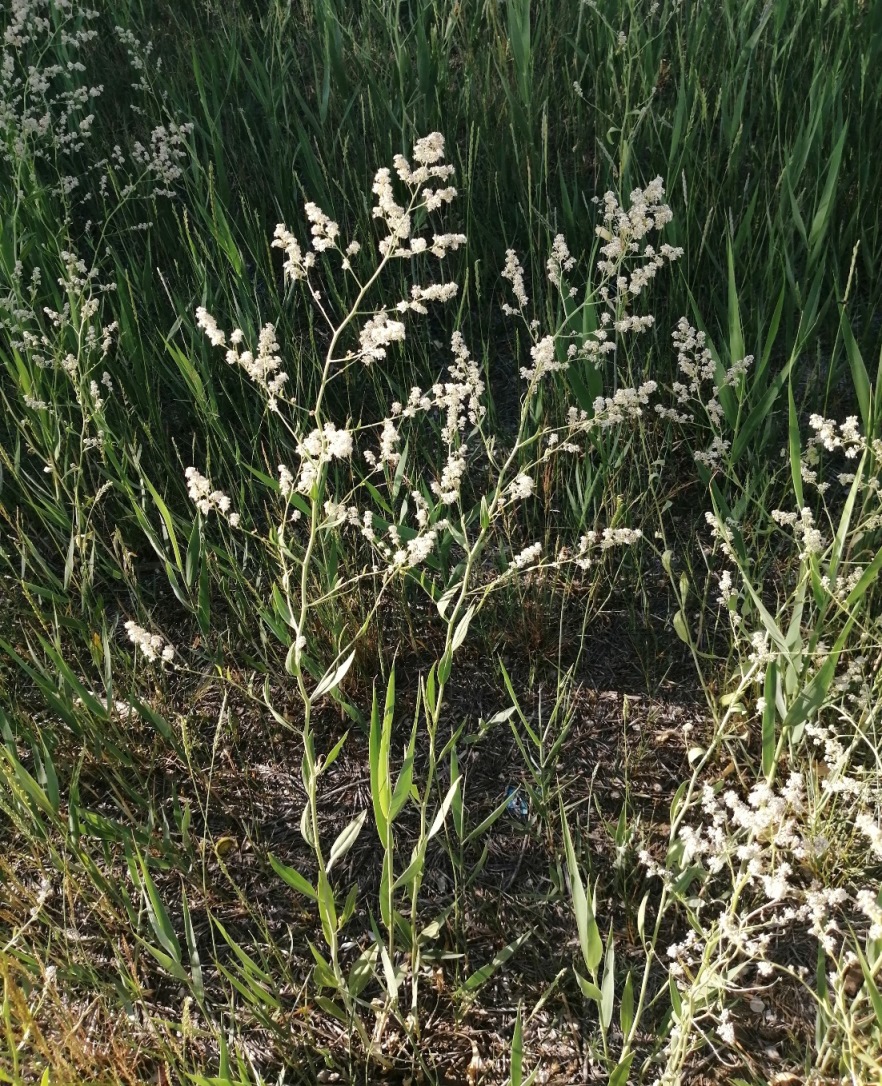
[(380, 330), (42, 110), (622, 232), (619, 537), (151, 645), (399, 554), (514, 273), (760, 653), (376, 335), (846, 438), (205, 499), (807, 534), (722, 532), (321, 447), (728, 596), (600, 343), (606, 540), (324, 230), (528, 556), (872, 831), (560, 261), (47, 107), (398, 220), (388, 452), (521, 488), (545, 360), (162, 159), (459, 401), (43, 336), (624, 404), (832, 435), (696, 364), (296, 264), (437, 292), (263, 367), (770, 868)]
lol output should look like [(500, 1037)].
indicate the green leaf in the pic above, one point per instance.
[(872, 987), (346, 839), (413, 869), (462, 628), (589, 934), (327, 909), (393, 979), (458, 805), (626, 1006), (378, 753), (517, 1051), (438, 821), (323, 973), (486, 823), (167, 519), (159, 918), (362, 970), (821, 219), (795, 446), (194, 554), (589, 990), (334, 752), (192, 951), (769, 737), (482, 975), (333, 1009), (293, 878), (620, 1075), (405, 778), (333, 677), (680, 627), (608, 986)]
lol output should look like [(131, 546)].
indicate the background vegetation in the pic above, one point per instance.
[(164, 915)]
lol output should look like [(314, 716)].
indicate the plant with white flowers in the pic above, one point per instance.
[(343, 464)]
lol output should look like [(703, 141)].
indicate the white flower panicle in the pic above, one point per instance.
[(443, 243), (606, 540), (559, 261), (620, 537), (427, 152), (296, 265), (697, 366), (377, 334), (152, 646), (624, 251), (847, 439), (624, 404), (162, 159), (808, 535), (522, 488), (324, 230), (206, 499), (528, 556), (321, 447), (544, 355), (623, 231), (264, 366), (437, 292), (448, 487), (47, 106), (514, 273), (286, 481)]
